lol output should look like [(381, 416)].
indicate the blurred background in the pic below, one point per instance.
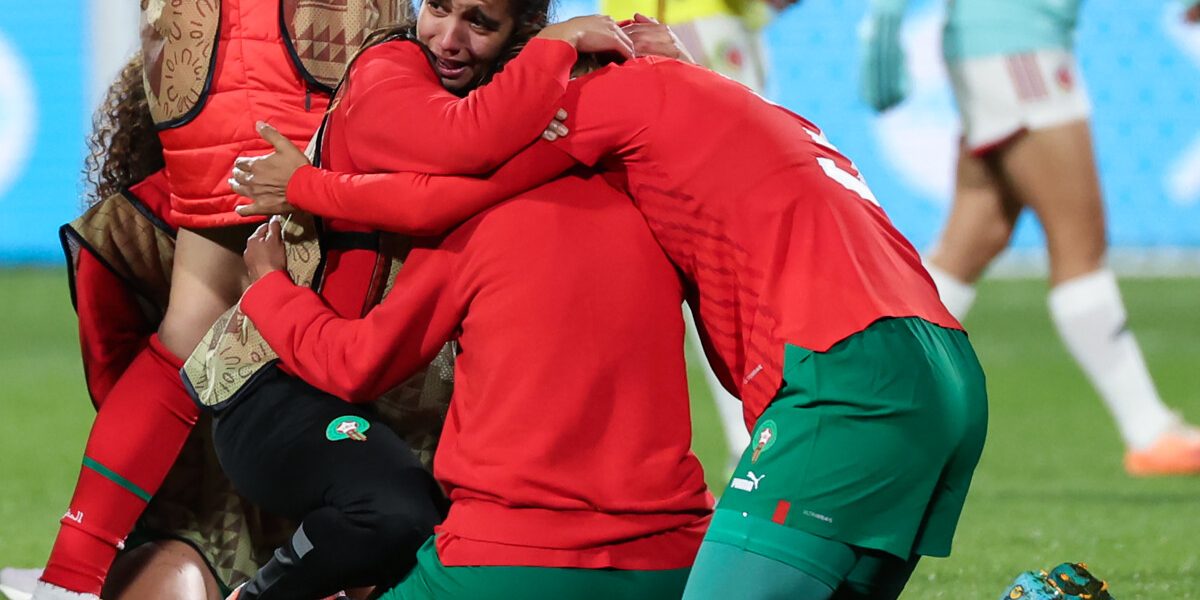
[(1050, 487), (1141, 64)]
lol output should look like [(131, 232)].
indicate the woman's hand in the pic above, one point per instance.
[(653, 38), (591, 34), (264, 179), (557, 128), (264, 250)]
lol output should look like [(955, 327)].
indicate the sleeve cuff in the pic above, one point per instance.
[(299, 187), (264, 296)]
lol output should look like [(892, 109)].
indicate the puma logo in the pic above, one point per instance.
[(748, 484)]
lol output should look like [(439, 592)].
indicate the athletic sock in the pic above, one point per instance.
[(956, 294), (1090, 318), (136, 437), (46, 591)]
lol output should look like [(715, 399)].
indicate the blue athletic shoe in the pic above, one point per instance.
[(1077, 583), (1032, 585)]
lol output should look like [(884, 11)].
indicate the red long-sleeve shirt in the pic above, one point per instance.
[(780, 237), (567, 442), (394, 115)]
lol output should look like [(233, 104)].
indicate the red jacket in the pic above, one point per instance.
[(568, 438)]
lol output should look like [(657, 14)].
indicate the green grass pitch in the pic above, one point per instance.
[(1050, 487)]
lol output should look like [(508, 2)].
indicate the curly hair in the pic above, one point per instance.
[(123, 147)]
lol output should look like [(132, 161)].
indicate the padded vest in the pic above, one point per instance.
[(216, 67)]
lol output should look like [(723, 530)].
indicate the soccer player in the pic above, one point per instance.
[(119, 254), (566, 450), (725, 36), (143, 423), (112, 285), (866, 402), (1026, 144)]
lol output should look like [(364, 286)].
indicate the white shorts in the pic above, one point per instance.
[(1001, 96), (724, 44)]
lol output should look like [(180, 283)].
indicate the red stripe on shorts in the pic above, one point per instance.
[(781, 511), (1014, 73), (1026, 77), (1035, 75)]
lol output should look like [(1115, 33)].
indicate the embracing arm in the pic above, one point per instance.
[(420, 204), (399, 117), (358, 359)]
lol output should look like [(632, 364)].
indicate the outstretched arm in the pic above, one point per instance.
[(409, 203), (398, 117), (420, 204), (354, 359)]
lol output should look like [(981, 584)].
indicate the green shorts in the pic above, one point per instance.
[(430, 580), (872, 444)]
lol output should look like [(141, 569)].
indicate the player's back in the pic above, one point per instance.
[(570, 425), (784, 241)]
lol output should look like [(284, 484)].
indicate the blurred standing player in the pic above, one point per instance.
[(725, 36), (1026, 143), (209, 66)]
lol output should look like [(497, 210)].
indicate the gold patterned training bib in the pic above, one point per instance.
[(131, 242), (322, 35), (179, 43)]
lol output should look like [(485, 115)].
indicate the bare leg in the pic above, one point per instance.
[(208, 277), (980, 223), (165, 569), (1052, 171), (978, 229)]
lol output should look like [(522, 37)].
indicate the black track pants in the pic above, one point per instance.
[(364, 502)]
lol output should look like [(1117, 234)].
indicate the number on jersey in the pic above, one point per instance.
[(847, 180)]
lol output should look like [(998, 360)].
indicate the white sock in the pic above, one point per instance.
[(956, 294), (49, 591), (1090, 318)]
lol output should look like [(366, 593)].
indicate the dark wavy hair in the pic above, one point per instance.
[(123, 147), (529, 18)]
